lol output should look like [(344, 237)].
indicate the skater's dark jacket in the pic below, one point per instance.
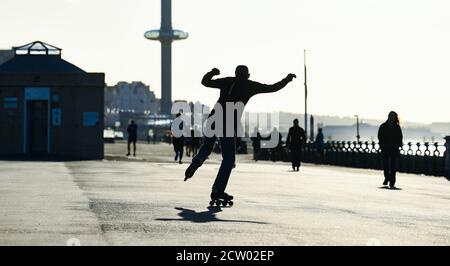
[(236, 90), (239, 90), (390, 138)]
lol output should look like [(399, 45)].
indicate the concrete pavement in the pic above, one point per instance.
[(145, 202)]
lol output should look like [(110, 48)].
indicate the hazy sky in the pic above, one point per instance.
[(364, 57)]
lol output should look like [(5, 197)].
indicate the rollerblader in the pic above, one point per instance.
[(238, 89)]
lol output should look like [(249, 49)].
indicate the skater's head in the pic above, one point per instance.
[(241, 72), (296, 122), (393, 118), (320, 130), (132, 122)]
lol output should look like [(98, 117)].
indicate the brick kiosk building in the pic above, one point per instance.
[(49, 107)]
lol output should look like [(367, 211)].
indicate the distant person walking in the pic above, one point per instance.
[(195, 141), (319, 142), (150, 135), (178, 144), (276, 153), (234, 90), (295, 139), (256, 143), (391, 139), (132, 137), (188, 145)]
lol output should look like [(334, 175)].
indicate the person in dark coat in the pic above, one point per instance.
[(295, 139), (390, 138), (256, 143), (178, 144), (197, 137), (277, 152), (319, 142), (132, 137)]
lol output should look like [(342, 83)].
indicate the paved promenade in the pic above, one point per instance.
[(144, 201)]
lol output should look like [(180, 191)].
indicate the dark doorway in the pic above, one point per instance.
[(37, 126)]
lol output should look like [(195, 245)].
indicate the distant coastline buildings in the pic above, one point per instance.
[(369, 132), (134, 97), (126, 101), (344, 128)]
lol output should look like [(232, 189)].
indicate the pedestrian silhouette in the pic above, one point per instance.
[(178, 144), (319, 142), (188, 144), (276, 153), (256, 143), (295, 139), (195, 141), (391, 139), (237, 89), (132, 137)]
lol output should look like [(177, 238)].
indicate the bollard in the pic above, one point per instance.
[(447, 157)]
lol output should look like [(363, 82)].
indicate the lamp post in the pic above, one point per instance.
[(447, 157), (306, 95), (357, 128)]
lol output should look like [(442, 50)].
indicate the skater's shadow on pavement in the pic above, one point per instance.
[(203, 217), (390, 188)]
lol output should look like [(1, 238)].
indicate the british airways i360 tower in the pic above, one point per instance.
[(166, 35)]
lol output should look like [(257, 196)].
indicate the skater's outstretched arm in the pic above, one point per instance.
[(207, 80), (265, 88)]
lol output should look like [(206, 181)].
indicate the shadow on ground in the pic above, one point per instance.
[(390, 188), (203, 217)]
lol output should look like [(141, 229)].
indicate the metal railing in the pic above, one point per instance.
[(418, 158)]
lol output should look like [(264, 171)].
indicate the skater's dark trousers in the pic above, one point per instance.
[(390, 168), (205, 150), (227, 145)]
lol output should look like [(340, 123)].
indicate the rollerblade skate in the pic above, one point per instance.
[(221, 198)]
